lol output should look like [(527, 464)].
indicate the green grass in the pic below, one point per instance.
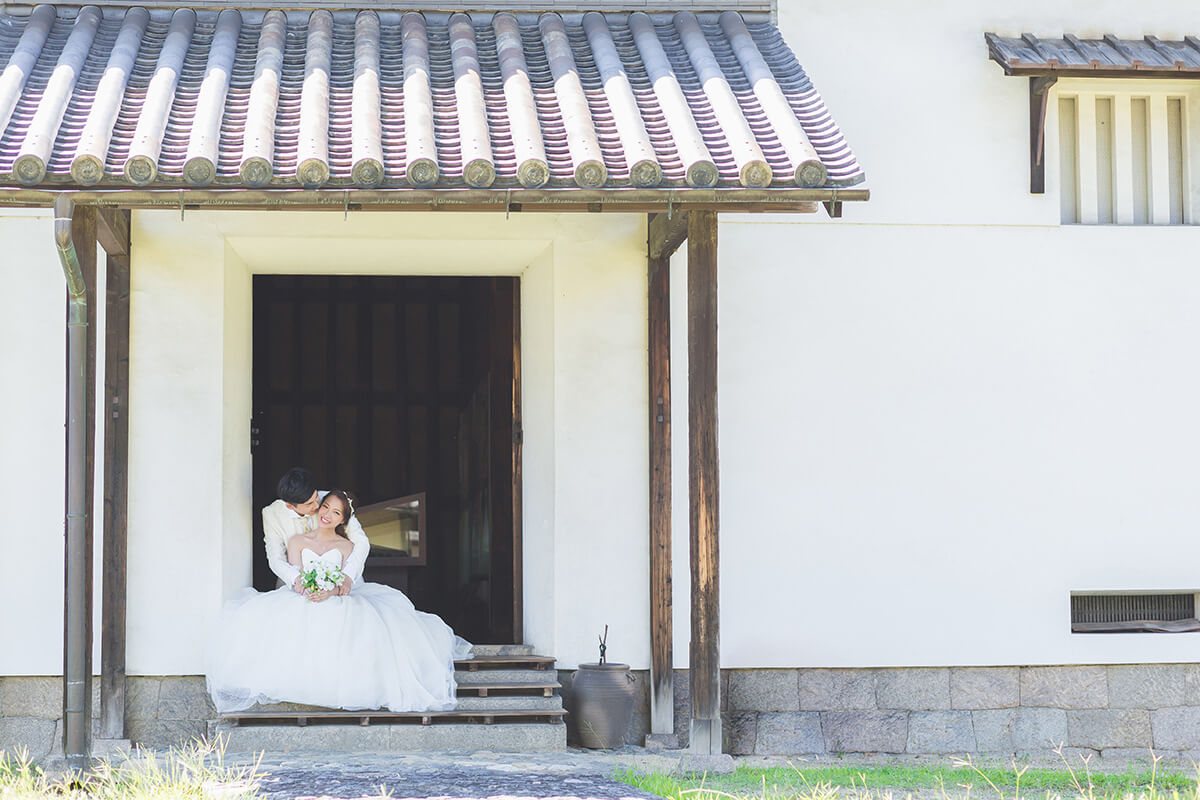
[(196, 770), (963, 779)]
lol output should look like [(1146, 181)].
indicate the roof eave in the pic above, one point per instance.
[(782, 200)]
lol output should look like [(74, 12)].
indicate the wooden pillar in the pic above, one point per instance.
[(664, 235), (113, 233), (518, 486), (703, 489)]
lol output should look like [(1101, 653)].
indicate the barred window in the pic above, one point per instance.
[(1123, 153)]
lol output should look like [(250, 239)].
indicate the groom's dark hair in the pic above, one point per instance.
[(296, 486)]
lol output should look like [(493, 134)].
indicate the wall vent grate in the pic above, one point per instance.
[(1087, 608)]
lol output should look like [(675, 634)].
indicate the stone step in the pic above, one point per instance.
[(499, 737), (533, 677), (502, 650), (495, 703), (482, 663)]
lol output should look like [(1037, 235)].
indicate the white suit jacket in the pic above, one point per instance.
[(280, 523)]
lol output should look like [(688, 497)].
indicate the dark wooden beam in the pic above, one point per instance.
[(703, 488), (116, 470), (1039, 94), (666, 233), (112, 230), (621, 201), (662, 685), (518, 440)]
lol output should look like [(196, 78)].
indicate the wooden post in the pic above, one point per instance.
[(703, 489), (664, 235), (518, 486), (113, 233), (1039, 95)]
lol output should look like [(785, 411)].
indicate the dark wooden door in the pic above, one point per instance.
[(373, 383)]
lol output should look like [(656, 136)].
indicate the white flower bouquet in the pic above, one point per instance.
[(323, 577)]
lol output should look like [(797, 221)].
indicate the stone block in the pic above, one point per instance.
[(836, 689), (683, 706), (661, 741), (184, 698), (164, 733), (741, 731), (1146, 686), (865, 731), (141, 698), (1078, 757), (993, 729), (641, 690), (32, 735), (979, 688), (1101, 728), (639, 726), (915, 689), (1191, 685), (1139, 755), (1176, 728), (1036, 730), (692, 764), (39, 697), (940, 732), (763, 690), (1064, 687), (789, 733)]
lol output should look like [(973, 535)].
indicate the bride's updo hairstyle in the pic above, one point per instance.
[(347, 501)]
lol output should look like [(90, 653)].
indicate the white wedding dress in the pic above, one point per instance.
[(370, 649)]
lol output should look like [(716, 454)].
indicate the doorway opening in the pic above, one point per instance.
[(395, 386)]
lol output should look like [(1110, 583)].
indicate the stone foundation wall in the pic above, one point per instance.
[(159, 712), (1113, 711)]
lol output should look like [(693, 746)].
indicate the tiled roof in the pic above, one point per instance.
[(1146, 57), (235, 99)]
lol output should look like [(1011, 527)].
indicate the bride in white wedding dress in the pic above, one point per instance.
[(370, 649)]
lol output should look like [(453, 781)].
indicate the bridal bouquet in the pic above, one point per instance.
[(323, 577)]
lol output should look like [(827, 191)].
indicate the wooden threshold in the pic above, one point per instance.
[(364, 718), (504, 662), (484, 689)]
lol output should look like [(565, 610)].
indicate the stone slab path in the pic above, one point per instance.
[(470, 776)]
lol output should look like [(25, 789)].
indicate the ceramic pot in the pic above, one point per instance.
[(601, 705)]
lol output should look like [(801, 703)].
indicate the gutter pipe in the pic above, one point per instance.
[(77, 645)]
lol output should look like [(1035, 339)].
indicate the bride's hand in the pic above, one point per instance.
[(317, 597)]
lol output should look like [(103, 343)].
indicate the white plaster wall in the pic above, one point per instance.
[(32, 443), (32, 354), (177, 512), (922, 457), (583, 348)]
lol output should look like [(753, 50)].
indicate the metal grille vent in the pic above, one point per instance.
[(1129, 607)]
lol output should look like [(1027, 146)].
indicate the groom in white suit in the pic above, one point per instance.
[(291, 514)]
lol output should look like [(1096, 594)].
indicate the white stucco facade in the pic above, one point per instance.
[(939, 415)]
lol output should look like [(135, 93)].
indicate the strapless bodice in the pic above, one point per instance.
[(332, 556)]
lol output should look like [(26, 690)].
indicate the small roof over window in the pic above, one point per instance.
[(1107, 56)]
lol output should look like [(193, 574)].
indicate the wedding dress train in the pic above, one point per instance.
[(369, 649)]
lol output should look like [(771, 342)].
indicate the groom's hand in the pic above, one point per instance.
[(297, 587)]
